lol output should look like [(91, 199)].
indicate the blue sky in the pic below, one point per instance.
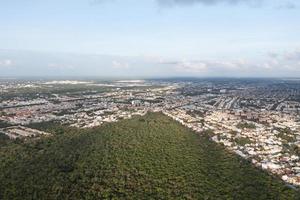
[(150, 38)]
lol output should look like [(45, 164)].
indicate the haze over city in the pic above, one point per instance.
[(154, 38)]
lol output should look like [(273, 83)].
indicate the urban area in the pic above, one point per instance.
[(258, 119)]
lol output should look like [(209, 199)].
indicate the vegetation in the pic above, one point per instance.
[(195, 113), (4, 139), (286, 134), (149, 157), (4, 124), (233, 132), (47, 91), (241, 141), (294, 149), (244, 125)]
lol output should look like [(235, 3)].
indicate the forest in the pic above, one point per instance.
[(146, 157)]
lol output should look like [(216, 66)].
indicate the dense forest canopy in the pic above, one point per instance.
[(140, 158)]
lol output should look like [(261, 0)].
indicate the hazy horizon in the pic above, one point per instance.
[(154, 38)]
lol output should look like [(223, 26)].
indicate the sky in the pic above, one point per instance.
[(150, 38)]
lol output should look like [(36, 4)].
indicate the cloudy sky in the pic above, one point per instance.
[(150, 38)]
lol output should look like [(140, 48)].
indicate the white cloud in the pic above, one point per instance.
[(191, 66), (285, 61), (294, 55), (212, 66), (119, 65), (277, 4), (60, 66), (207, 2), (6, 63), (273, 63), (287, 5)]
